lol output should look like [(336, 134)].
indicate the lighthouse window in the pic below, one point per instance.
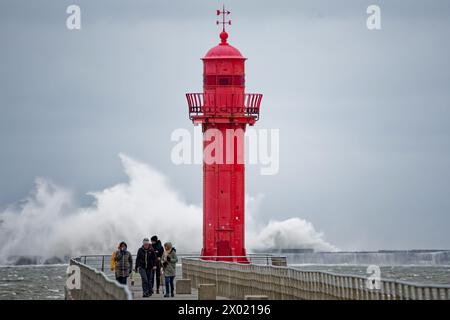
[(209, 80), (238, 80), (224, 81), (212, 80)]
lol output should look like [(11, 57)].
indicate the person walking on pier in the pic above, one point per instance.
[(145, 265), (124, 263), (169, 260), (159, 250)]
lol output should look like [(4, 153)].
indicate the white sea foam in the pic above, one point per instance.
[(49, 223)]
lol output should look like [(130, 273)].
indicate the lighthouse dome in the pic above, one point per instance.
[(223, 50)]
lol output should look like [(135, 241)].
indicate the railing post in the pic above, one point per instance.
[(356, 288), (405, 292), (393, 291), (434, 293), (399, 291), (427, 293), (441, 294)]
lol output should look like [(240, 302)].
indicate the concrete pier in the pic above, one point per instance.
[(94, 285), (236, 281), (227, 280)]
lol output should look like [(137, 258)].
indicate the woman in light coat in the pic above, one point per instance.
[(169, 261)]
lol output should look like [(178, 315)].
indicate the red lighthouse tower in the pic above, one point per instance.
[(224, 110)]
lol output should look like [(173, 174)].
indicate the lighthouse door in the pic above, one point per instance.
[(223, 248)]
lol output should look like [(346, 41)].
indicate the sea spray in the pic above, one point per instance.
[(48, 223)]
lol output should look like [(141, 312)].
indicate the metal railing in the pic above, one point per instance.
[(101, 262), (235, 281), (231, 104)]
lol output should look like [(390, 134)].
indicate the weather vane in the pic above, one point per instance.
[(224, 13)]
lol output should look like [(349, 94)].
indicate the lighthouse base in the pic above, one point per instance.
[(224, 253)]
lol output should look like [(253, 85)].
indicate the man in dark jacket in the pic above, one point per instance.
[(145, 265), (159, 250)]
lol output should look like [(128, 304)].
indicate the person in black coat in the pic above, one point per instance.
[(159, 250), (146, 266)]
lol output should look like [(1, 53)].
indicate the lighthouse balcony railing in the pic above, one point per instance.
[(201, 104)]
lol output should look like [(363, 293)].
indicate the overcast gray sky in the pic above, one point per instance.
[(364, 116)]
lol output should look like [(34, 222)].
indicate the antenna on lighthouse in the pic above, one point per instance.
[(224, 13)]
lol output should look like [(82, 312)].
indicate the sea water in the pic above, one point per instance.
[(46, 282), (408, 273), (37, 282)]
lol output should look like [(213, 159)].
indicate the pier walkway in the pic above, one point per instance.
[(266, 277), (136, 290)]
